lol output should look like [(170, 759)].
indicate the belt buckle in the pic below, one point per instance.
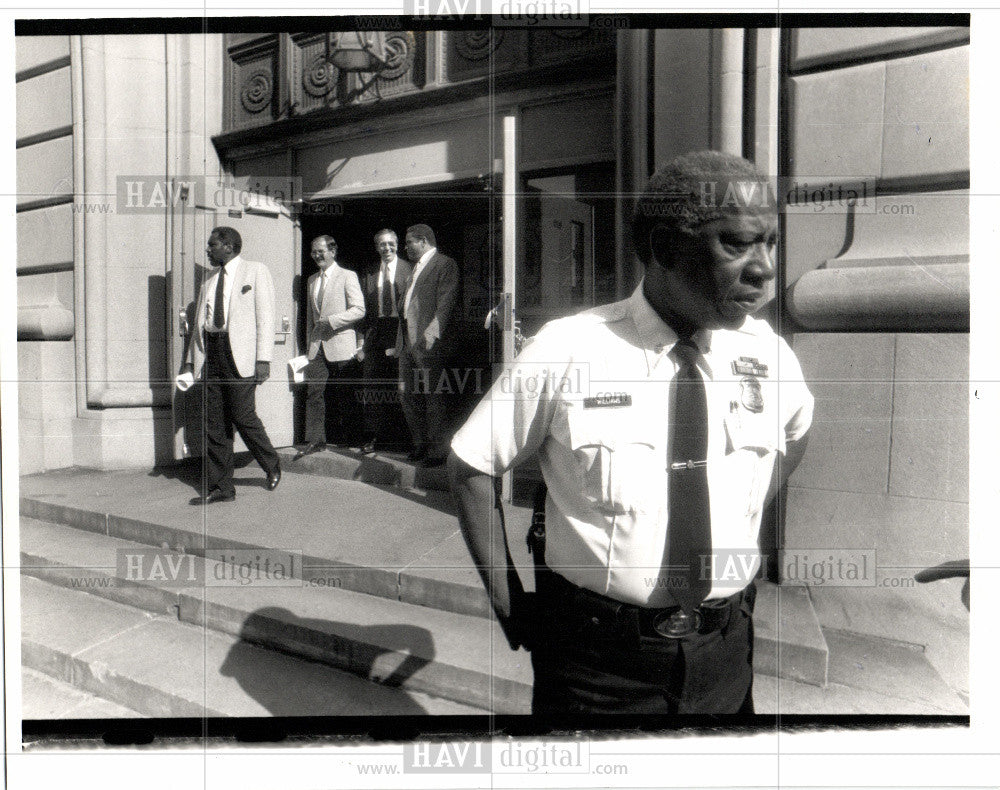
[(677, 624)]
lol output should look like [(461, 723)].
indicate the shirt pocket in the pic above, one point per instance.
[(619, 470), (752, 449)]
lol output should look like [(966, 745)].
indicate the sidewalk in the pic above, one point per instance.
[(396, 543), (386, 590)]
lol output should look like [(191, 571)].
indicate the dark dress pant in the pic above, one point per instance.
[(379, 392), (230, 404), (322, 375), (583, 667), (424, 403)]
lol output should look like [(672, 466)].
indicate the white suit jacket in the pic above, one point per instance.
[(251, 318), (334, 314)]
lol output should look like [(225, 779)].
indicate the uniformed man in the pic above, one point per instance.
[(657, 422)]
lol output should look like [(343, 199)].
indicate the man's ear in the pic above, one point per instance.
[(661, 245)]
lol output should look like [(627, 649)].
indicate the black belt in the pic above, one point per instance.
[(599, 613)]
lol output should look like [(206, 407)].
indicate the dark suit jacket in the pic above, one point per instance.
[(370, 286), (433, 308)]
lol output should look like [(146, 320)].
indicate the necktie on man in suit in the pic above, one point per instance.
[(386, 307), (321, 290), (689, 528), (219, 308)]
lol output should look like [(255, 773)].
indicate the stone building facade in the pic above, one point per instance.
[(521, 149)]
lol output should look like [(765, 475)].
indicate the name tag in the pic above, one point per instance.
[(749, 366), (604, 399)]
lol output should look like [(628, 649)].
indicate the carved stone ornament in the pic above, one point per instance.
[(400, 52), (255, 95), (317, 77), (478, 44)]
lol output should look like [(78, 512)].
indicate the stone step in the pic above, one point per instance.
[(788, 641), (387, 469), (44, 697), (867, 676), (457, 657), (400, 544), (894, 669), (161, 667), (390, 542)]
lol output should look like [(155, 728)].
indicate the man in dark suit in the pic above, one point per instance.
[(232, 346), (426, 336), (384, 290)]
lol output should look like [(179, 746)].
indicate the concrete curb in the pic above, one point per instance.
[(403, 585), (378, 469), (788, 641), (109, 684)]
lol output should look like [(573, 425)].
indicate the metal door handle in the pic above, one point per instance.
[(182, 323), (286, 326)]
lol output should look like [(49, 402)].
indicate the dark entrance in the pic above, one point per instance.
[(460, 217)]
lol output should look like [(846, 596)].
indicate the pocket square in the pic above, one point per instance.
[(246, 288)]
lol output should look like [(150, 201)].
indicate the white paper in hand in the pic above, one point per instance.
[(296, 367)]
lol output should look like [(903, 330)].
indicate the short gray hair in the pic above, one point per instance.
[(693, 189)]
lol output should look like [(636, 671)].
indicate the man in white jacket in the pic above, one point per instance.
[(232, 346), (336, 305)]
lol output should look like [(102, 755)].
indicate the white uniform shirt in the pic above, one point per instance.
[(232, 272), (590, 394)]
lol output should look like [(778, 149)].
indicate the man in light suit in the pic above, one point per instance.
[(232, 346), (335, 306), (426, 337), (384, 289)]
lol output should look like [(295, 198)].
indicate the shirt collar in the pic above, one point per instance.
[(655, 334), (426, 256)]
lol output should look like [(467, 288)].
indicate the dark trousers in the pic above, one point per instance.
[(587, 662), (328, 386), (379, 393), (230, 403), (424, 403)]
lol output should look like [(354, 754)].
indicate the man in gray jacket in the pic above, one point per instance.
[(425, 340)]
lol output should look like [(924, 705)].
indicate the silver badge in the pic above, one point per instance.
[(751, 395)]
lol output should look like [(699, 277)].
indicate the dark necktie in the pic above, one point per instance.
[(386, 292), (689, 529), (219, 310)]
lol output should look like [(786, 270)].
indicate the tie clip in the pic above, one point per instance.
[(679, 465)]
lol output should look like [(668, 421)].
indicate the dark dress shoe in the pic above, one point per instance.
[(313, 447), (213, 498), (417, 455), (273, 479), (432, 461), (368, 448)]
